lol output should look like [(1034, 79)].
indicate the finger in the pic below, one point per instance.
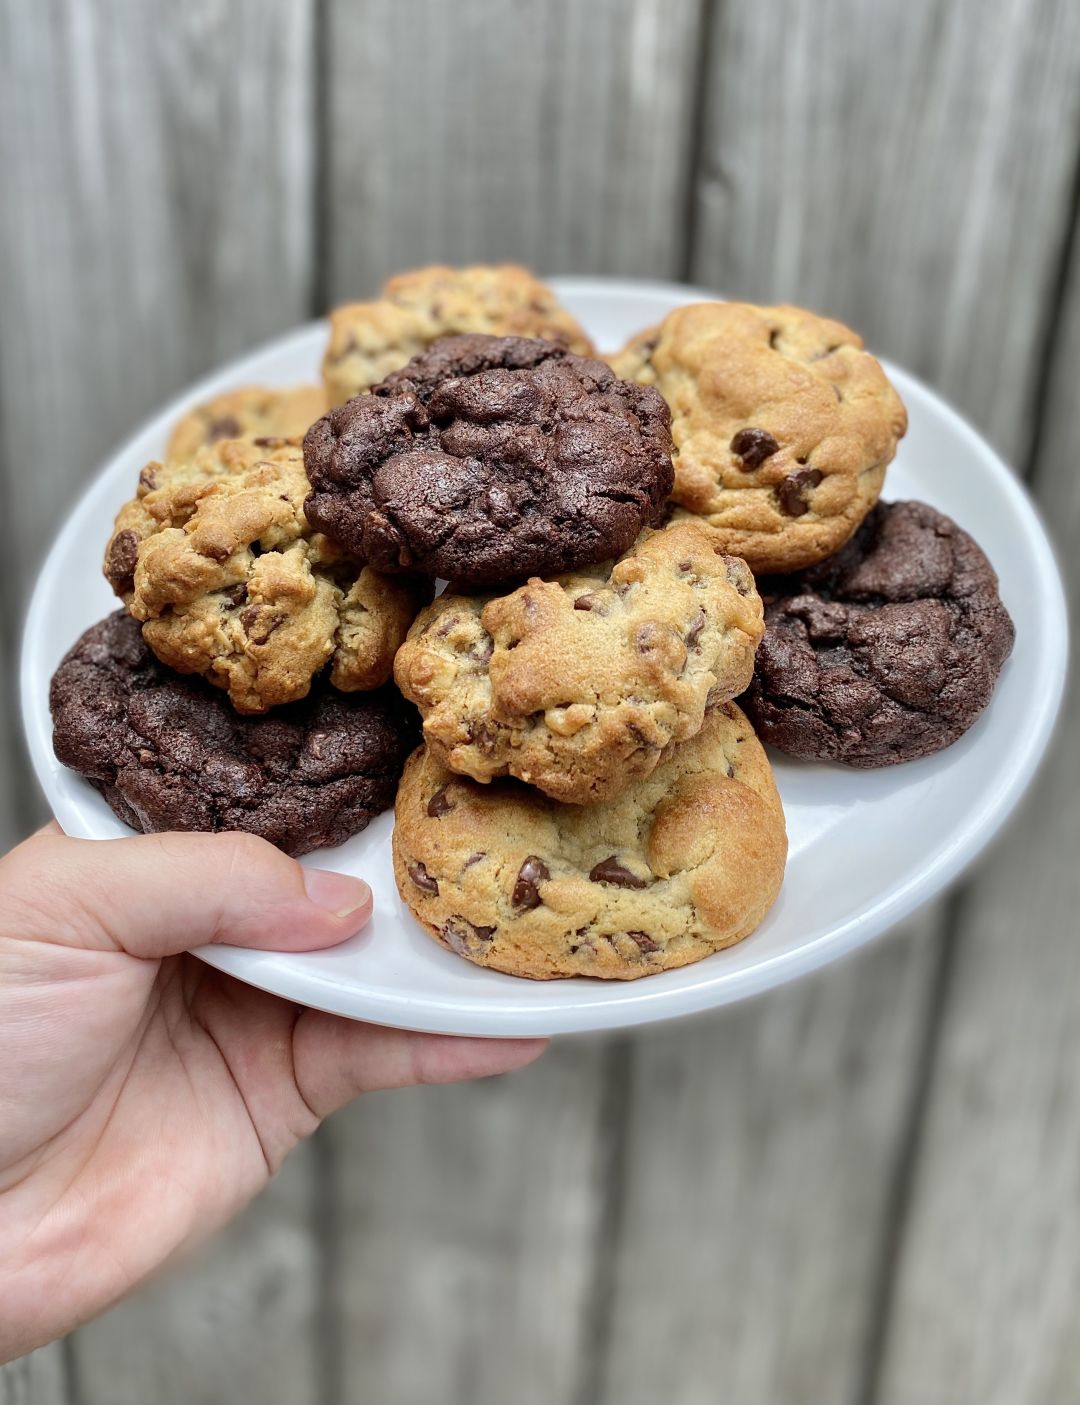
[(336, 1060), (159, 894)]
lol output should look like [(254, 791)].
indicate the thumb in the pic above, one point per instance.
[(159, 894)]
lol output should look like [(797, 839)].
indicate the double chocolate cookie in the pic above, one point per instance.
[(489, 459), (686, 862), (581, 685), (368, 340), (887, 651), (169, 752), (783, 425), (217, 560)]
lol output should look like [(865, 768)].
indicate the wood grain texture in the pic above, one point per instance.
[(236, 1323), (759, 1167), (37, 1379), (466, 1222), (163, 193), (556, 134), (988, 1295), (157, 218), (905, 167)]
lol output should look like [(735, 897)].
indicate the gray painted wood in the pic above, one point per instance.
[(467, 1218), (791, 205), (37, 1379), (163, 192), (551, 1237), (760, 1160), (237, 1322), (157, 218), (988, 1296), (906, 167), (555, 134)]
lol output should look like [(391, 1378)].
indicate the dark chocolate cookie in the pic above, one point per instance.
[(488, 459), (169, 752), (886, 651)]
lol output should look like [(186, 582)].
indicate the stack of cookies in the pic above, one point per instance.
[(588, 798)]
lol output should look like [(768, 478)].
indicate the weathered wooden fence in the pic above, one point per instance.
[(864, 1188)]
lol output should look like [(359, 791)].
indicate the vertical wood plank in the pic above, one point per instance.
[(558, 135), (554, 134), (759, 1164), (158, 158), (906, 167), (467, 1220), (235, 1323), (988, 1295), (881, 163), (156, 163), (37, 1379)]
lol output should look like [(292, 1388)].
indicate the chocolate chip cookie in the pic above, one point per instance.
[(887, 651), (581, 685), (169, 752), (489, 459), (255, 412), (687, 861), (783, 426), (368, 340), (217, 560)]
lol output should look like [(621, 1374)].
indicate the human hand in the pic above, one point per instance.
[(145, 1098)]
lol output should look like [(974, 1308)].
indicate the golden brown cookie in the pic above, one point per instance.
[(216, 558), (686, 862), (783, 426), (368, 340), (581, 685), (254, 411)]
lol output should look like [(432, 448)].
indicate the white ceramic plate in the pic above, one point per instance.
[(867, 847)]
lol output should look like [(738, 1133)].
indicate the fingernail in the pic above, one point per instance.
[(336, 892)]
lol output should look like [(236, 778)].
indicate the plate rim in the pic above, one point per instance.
[(638, 1004)]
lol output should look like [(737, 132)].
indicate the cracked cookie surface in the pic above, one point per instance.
[(887, 651), (489, 459), (251, 412), (216, 559), (368, 340), (783, 426), (168, 752), (581, 685), (686, 862)]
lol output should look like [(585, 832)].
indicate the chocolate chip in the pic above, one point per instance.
[(483, 737), (446, 626), (270, 441), (455, 938), (526, 894), (227, 427), (753, 446), (790, 490), (593, 601), (610, 870), (148, 478), (645, 638), (685, 565), (423, 880), (439, 805), (259, 622), (484, 650), (474, 858), (485, 934), (123, 556), (644, 941), (237, 595), (695, 629)]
